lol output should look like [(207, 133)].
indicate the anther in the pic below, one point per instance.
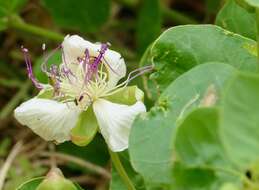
[(80, 98)]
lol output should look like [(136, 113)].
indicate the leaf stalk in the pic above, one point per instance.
[(120, 169)]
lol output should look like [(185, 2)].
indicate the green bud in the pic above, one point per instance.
[(56, 181)]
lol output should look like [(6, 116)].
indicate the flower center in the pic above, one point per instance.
[(84, 81)]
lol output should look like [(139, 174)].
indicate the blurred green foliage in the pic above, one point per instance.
[(85, 16), (193, 65)]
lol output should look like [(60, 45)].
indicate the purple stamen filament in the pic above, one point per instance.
[(93, 68), (29, 68)]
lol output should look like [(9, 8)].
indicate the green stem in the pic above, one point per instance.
[(9, 83), (257, 34), (17, 23), (177, 17), (120, 169)]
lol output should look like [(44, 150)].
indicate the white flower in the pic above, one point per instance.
[(88, 76)]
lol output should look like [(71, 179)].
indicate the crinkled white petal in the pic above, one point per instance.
[(115, 121), (116, 67), (74, 46), (47, 118)]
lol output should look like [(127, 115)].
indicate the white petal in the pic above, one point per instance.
[(47, 118), (116, 68), (115, 121), (74, 46)]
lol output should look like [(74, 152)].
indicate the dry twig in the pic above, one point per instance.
[(80, 162), (4, 170)]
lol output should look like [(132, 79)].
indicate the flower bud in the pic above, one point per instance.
[(56, 181)]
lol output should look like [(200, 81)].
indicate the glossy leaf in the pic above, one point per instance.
[(151, 138), (240, 121), (184, 178), (199, 146), (82, 15), (197, 140), (236, 19), (225, 139), (180, 48)]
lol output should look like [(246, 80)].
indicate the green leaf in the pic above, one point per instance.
[(240, 121), (31, 184), (180, 48), (199, 145), (236, 19), (86, 128), (197, 140), (226, 142), (149, 24), (80, 15), (191, 178), (151, 138)]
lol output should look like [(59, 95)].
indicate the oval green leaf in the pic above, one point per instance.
[(236, 19), (197, 140), (240, 120), (151, 138), (180, 48)]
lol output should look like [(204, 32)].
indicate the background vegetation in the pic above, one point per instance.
[(129, 25)]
